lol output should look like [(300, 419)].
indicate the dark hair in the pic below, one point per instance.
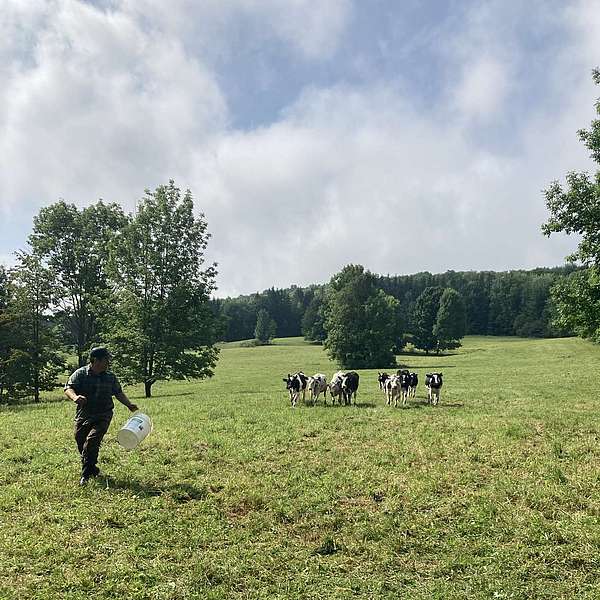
[(99, 353)]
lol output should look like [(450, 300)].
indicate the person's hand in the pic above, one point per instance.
[(80, 400), (133, 407)]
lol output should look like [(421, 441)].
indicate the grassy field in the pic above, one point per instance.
[(495, 493)]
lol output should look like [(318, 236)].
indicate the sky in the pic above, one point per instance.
[(401, 135)]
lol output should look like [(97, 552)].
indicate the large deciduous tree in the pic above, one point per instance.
[(160, 324), (576, 209), (74, 243), (360, 320)]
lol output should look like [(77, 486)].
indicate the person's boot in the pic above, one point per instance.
[(83, 481)]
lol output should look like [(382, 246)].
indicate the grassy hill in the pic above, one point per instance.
[(493, 494)]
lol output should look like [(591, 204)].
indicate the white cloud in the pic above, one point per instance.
[(103, 103), (483, 89), (312, 28), (102, 108), (357, 176)]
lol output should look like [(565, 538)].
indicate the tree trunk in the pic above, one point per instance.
[(36, 388), (148, 387)]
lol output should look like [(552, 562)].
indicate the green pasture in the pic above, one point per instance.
[(495, 493)]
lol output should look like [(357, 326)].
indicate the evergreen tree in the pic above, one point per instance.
[(424, 318), (313, 321), (266, 328), (240, 318), (450, 325)]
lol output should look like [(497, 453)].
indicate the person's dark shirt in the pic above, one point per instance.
[(98, 390)]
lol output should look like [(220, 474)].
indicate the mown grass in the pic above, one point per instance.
[(493, 494)]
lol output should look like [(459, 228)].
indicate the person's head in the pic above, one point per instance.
[(100, 359)]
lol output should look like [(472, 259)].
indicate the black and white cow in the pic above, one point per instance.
[(295, 384), (317, 384), (433, 383), (335, 387), (404, 376), (392, 389), (412, 384), (381, 379), (350, 386)]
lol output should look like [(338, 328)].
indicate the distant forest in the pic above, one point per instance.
[(509, 303)]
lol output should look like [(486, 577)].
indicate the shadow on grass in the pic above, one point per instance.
[(418, 404), (27, 404), (179, 492), (336, 405), (142, 396), (171, 395), (416, 353), (405, 366)]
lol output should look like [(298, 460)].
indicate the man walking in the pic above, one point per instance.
[(92, 388)]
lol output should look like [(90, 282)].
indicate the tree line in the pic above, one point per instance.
[(134, 282), (511, 303)]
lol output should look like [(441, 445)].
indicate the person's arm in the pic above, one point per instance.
[(123, 399), (70, 392)]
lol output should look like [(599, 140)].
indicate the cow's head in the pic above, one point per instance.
[(435, 380)]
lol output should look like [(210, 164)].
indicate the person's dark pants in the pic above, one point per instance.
[(88, 435)]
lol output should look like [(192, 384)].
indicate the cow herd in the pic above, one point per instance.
[(344, 386)]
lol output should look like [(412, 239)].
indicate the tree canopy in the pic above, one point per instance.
[(158, 320), (74, 243), (360, 320), (576, 209)]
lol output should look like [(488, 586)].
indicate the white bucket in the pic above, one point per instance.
[(134, 431)]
